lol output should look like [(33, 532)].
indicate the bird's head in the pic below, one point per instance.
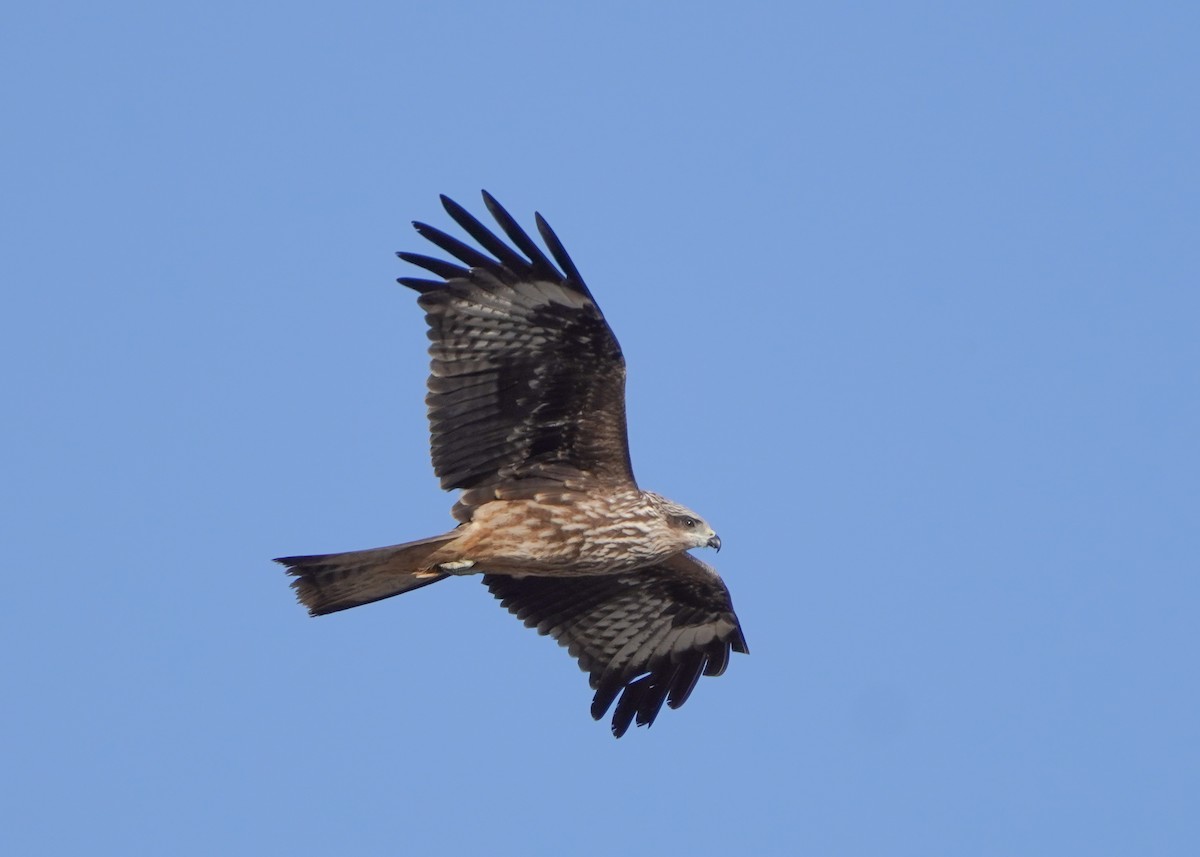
[(691, 528)]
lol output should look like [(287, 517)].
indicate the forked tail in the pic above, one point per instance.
[(339, 581)]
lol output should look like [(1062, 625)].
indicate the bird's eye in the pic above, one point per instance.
[(690, 523)]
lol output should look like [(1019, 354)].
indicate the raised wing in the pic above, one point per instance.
[(526, 377), (646, 636)]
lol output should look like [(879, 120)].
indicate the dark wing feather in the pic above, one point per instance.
[(526, 376), (646, 636), (559, 251)]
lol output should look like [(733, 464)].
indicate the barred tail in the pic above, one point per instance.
[(339, 581)]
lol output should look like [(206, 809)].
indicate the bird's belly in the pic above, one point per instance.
[(562, 539)]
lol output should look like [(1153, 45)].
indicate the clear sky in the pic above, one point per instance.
[(910, 297)]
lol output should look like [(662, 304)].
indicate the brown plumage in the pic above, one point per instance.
[(527, 418)]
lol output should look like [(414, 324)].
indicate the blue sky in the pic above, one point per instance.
[(909, 297)]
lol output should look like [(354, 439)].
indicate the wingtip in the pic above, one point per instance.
[(495, 209), (452, 207)]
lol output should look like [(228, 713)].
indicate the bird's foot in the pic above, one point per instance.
[(460, 566)]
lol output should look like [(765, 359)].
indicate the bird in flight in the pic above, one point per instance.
[(527, 419)]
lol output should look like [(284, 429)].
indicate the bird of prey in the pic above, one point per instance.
[(527, 419)]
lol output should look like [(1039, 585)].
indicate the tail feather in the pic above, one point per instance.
[(328, 583)]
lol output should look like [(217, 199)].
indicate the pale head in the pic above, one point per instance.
[(684, 525)]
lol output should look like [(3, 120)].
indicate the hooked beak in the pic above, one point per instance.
[(715, 543)]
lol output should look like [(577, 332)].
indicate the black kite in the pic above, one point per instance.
[(527, 417)]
